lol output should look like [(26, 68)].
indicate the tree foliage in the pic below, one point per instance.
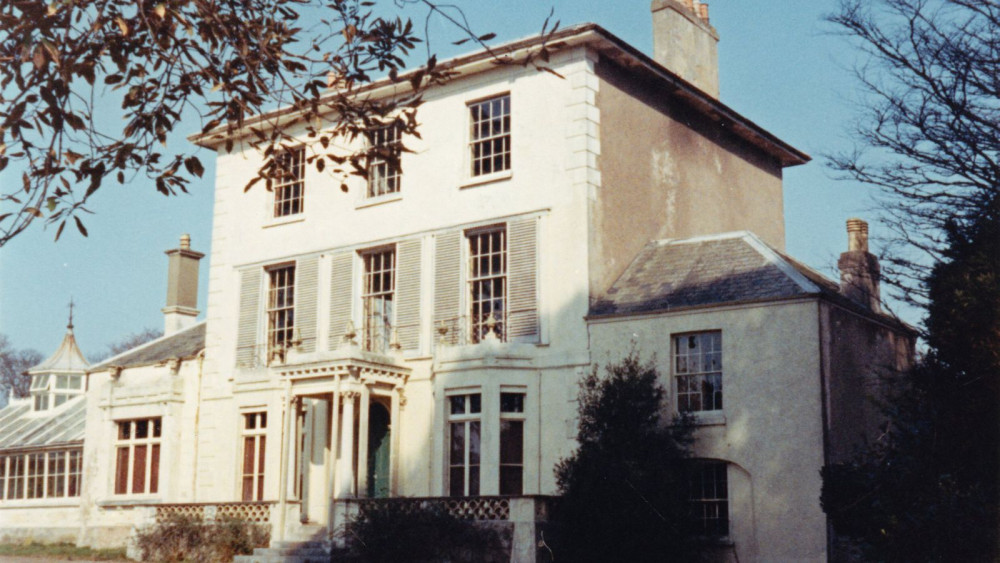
[(927, 489), (213, 62), (929, 133), (13, 365), (625, 489)]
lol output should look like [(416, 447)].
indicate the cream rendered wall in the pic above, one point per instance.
[(771, 431), (553, 175), (139, 392), (667, 172)]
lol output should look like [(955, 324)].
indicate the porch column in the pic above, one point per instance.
[(366, 397), (305, 439), (396, 400), (346, 469), (331, 480)]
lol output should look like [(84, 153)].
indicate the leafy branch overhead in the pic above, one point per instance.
[(215, 63)]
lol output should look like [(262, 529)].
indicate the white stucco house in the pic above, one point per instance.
[(424, 334)]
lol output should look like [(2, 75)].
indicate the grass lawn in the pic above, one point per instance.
[(65, 551)]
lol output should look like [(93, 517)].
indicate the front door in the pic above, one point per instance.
[(379, 438)]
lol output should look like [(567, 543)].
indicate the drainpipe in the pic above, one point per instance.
[(197, 423), (283, 469)]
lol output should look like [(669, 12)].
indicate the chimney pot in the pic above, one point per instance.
[(182, 287), (859, 269), (857, 235), (689, 4)]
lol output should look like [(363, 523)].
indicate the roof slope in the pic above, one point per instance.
[(68, 358), (20, 427), (183, 344)]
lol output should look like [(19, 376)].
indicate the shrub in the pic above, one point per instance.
[(389, 532), (188, 538)]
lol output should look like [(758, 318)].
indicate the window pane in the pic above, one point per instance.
[(247, 494), (457, 443), (154, 469), (456, 482), (457, 404), (139, 469), (248, 455), (141, 429), (511, 442), (474, 442), (511, 402), (121, 471), (475, 404), (511, 480), (473, 480)]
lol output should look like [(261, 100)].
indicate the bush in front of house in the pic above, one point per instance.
[(389, 532), (180, 537)]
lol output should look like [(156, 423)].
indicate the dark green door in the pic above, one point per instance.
[(378, 451)]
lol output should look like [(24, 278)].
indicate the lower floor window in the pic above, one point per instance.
[(710, 498), (137, 456), (511, 443), (465, 444), (51, 474), (254, 443)]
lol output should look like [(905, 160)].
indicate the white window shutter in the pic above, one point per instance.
[(341, 296), (408, 291), (448, 285), (246, 331), (522, 313), (306, 294)]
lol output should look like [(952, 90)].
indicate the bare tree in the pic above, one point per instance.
[(14, 364), (212, 61), (127, 343), (929, 133)]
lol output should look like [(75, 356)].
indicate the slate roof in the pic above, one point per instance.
[(183, 344), (22, 428), (722, 269), (68, 358)]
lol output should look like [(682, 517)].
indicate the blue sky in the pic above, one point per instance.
[(780, 65)]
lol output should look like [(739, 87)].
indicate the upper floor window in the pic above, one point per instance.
[(288, 184), (709, 498), (378, 299), (698, 370), (137, 456), (490, 135), (280, 308), (488, 284), (254, 444), (383, 163), (465, 441)]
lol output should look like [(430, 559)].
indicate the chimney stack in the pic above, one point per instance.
[(182, 287), (859, 269), (685, 43)]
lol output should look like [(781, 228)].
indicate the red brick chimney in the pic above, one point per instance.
[(859, 269)]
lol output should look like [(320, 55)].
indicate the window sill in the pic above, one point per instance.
[(298, 218), (70, 502), (128, 501), (709, 418), (379, 200), (487, 179)]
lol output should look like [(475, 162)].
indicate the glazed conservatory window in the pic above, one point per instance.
[(464, 430), (698, 370), (137, 456), (489, 121), (52, 474), (254, 445)]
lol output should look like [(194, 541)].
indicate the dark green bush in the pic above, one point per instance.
[(390, 532), (190, 538)]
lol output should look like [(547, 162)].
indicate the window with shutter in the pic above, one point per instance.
[(341, 275), (408, 294), (447, 286), (307, 293), (246, 332)]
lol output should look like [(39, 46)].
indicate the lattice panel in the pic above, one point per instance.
[(468, 508), (256, 512), (190, 510)]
